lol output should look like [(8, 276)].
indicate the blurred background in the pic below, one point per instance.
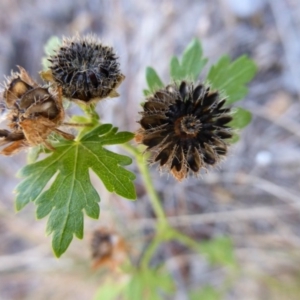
[(253, 197)]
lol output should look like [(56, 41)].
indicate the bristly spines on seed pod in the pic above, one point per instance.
[(86, 69), (185, 127)]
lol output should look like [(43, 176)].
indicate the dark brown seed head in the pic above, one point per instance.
[(86, 69), (185, 128)]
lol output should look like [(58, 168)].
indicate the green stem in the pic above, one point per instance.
[(162, 225), (154, 199), (146, 258), (90, 110), (94, 119), (153, 196), (164, 231), (184, 239)]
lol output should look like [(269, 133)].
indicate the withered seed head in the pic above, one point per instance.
[(33, 113), (101, 244), (86, 69), (108, 249), (184, 128)]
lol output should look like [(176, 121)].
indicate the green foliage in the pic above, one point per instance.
[(110, 290), (60, 184), (235, 138), (71, 191), (205, 293), (189, 68), (241, 118), (191, 64), (149, 284), (53, 43), (231, 77), (219, 251), (153, 80)]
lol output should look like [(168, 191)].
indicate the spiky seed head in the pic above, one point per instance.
[(185, 128), (86, 69)]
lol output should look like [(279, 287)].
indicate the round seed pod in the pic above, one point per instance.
[(185, 128), (86, 69)]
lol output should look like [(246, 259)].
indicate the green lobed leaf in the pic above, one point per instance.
[(60, 184), (175, 69), (235, 138), (146, 93), (191, 64), (153, 80), (241, 118), (231, 77)]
